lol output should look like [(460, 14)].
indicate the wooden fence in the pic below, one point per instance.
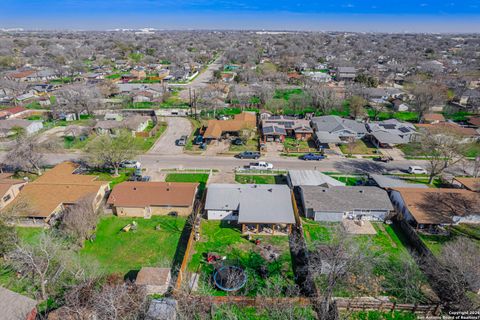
[(191, 239), (344, 304)]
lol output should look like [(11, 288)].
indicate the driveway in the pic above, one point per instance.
[(176, 127)]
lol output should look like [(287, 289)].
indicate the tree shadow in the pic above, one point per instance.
[(364, 166)]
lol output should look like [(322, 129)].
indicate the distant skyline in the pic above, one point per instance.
[(452, 16)]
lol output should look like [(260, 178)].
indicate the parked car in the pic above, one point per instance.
[(237, 142), (182, 141), (131, 164), (248, 155), (198, 140), (417, 170), (312, 157), (383, 159), (260, 166)]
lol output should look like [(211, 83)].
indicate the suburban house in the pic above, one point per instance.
[(472, 184), (17, 112), (388, 133), (346, 74), (44, 199), (277, 128), (318, 76), (431, 207), (333, 129), (339, 203), (154, 280), (135, 124), (216, 129), (7, 127), (400, 105), (433, 118), (146, 199), (259, 209), (9, 188), (380, 96), (20, 75), (14, 306), (297, 178)]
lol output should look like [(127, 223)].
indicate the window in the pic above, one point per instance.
[(6, 198)]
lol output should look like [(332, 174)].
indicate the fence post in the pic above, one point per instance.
[(415, 307), (393, 306)]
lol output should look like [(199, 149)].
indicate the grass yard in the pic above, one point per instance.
[(201, 178), (349, 181), (379, 315), (233, 311), (120, 252), (76, 143), (260, 179), (124, 174), (249, 145), (227, 240), (291, 143), (285, 94), (359, 147), (435, 242), (471, 150), (196, 125), (387, 246), (146, 143)]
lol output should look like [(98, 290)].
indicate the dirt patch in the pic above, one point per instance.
[(358, 227)]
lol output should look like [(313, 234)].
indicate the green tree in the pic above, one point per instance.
[(357, 105), (108, 151)]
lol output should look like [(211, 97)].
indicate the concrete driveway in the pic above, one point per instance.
[(176, 127)]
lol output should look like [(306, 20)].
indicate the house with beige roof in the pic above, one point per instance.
[(216, 129), (44, 200), (432, 207), (9, 188), (144, 199)]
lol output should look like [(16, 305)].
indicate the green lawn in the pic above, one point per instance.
[(349, 181), (379, 315), (285, 94), (76, 143), (201, 178), (124, 174), (249, 145), (227, 240), (260, 179), (291, 143), (29, 235), (146, 143), (470, 150), (233, 311), (387, 245), (435, 242), (360, 147), (120, 252)]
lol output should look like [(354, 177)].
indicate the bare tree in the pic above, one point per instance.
[(25, 155), (442, 150), (357, 105), (427, 95), (44, 262), (342, 260), (78, 99), (109, 152), (323, 98), (80, 219)]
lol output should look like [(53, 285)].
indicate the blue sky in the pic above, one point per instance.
[(352, 15)]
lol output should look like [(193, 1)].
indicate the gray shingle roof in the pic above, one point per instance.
[(311, 178), (343, 199), (335, 123), (384, 181), (266, 203), (14, 306)]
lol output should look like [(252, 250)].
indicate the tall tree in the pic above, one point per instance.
[(108, 151), (78, 99), (426, 96), (26, 155), (357, 105)]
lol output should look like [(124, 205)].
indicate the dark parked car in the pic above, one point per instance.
[(312, 157), (182, 141), (237, 142), (198, 140), (248, 155), (383, 159)]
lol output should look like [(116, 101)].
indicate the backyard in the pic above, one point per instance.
[(153, 243), (388, 248), (413, 150), (435, 242), (227, 241)]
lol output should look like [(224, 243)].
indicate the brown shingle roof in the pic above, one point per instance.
[(56, 187), (472, 184), (439, 206), (144, 194), (474, 121), (6, 183), (215, 128)]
